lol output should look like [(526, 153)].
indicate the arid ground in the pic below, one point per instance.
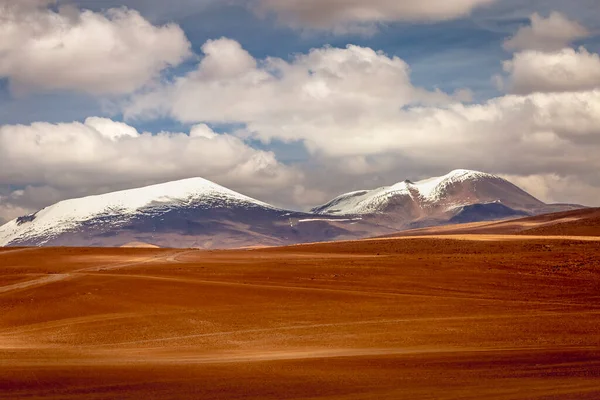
[(469, 317)]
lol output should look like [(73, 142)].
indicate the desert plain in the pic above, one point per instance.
[(450, 316)]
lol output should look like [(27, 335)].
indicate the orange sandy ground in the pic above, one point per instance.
[(422, 318)]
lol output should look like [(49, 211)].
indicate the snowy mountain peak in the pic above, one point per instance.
[(469, 174), (430, 192), (67, 214)]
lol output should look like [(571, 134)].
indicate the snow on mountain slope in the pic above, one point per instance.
[(458, 188), (126, 204), (199, 213)]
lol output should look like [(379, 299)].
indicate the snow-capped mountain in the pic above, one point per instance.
[(437, 200), (199, 213), (458, 188), (187, 213), (124, 205)]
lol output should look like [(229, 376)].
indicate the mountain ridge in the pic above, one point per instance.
[(430, 191), (196, 212), (198, 191)]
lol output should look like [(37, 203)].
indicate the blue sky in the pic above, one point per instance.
[(432, 52)]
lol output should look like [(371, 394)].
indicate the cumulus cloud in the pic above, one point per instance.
[(365, 124), (325, 85), (359, 15), (547, 34), (542, 131), (560, 71), (345, 102), (56, 161), (111, 52)]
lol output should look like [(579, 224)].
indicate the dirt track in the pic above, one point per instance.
[(418, 318)]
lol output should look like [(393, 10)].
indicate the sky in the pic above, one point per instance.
[(294, 102)]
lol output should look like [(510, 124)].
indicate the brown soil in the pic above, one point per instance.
[(584, 222), (411, 318)]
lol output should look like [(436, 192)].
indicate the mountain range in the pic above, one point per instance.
[(201, 214)]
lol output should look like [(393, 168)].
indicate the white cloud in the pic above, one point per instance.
[(224, 58), (56, 161), (327, 84), (359, 15), (113, 52), (353, 102), (366, 124), (547, 34), (560, 71)]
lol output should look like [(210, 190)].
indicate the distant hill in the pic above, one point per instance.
[(583, 222)]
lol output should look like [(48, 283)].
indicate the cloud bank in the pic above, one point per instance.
[(315, 98), (359, 115)]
